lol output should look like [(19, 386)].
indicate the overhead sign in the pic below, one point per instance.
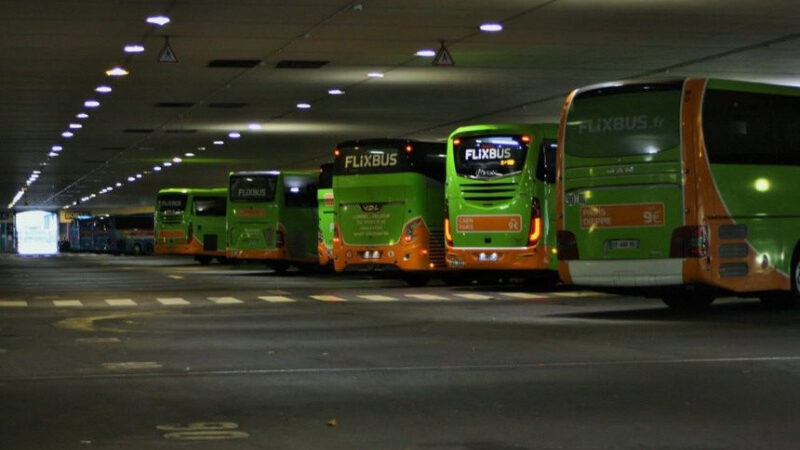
[(443, 57), (166, 55)]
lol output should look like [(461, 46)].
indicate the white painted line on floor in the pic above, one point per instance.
[(132, 365), (475, 296), (427, 296), (172, 301), (120, 302), (67, 303), (579, 294), (13, 304), (225, 300), (328, 298), (524, 295), (276, 299), (378, 298), (175, 277)]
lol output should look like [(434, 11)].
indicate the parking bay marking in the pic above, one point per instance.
[(120, 302), (378, 298), (67, 303), (427, 296), (175, 301), (328, 298), (225, 300), (13, 304), (276, 299)]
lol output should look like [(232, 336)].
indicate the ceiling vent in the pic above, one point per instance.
[(138, 130), (180, 131), (227, 105), (174, 104), (299, 64), (234, 63)]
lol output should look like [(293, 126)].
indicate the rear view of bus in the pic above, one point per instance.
[(272, 218), (389, 197), (500, 198), (325, 209), (191, 222)]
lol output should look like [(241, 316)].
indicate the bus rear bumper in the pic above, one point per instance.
[(523, 258), (627, 273)]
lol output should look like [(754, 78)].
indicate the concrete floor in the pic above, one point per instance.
[(252, 360)]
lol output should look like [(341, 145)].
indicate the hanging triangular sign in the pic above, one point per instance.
[(443, 57), (166, 55)]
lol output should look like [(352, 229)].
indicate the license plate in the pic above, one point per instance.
[(623, 244), (488, 257)]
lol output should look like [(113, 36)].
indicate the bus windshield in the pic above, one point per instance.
[(489, 156), (253, 188), (173, 203), (209, 206), (628, 120)]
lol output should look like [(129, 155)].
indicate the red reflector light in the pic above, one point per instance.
[(336, 152), (409, 148)]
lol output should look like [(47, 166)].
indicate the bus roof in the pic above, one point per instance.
[(503, 127), (277, 172), (195, 191), (715, 83)]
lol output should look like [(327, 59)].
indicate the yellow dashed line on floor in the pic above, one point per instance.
[(276, 299), (524, 295), (225, 300), (474, 296), (328, 298), (13, 304), (67, 303), (120, 302), (427, 296), (172, 301), (378, 298)]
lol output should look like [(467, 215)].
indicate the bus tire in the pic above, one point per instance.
[(687, 301), (790, 299), (203, 259), (280, 266), (416, 279), (137, 249)]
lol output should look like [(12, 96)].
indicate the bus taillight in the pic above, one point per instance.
[(567, 245), (448, 233), (689, 242), (409, 230), (536, 223), (336, 237)]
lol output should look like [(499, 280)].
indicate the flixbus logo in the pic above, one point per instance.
[(602, 125), (370, 160)]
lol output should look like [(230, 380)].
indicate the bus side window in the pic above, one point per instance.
[(546, 165)]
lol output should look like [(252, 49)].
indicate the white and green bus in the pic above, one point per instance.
[(689, 186)]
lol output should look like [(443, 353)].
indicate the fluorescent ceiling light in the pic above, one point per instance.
[(82, 116), (491, 27), (116, 72), (118, 184), (254, 126), (304, 106), (91, 103), (131, 179), (157, 168), (133, 48), (375, 75), (176, 160), (103, 89), (167, 164), (426, 53), (219, 142), (335, 91), (67, 134), (188, 155), (52, 154), (75, 126), (55, 148), (138, 175), (158, 20), (234, 135)]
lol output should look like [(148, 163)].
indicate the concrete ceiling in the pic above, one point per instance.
[(54, 53)]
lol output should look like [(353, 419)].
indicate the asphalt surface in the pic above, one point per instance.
[(253, 360)]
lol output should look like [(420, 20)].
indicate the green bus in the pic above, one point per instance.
[(500, 198), (191, 221), (272, 218), (388, 203), (325, 209), (686, 185)]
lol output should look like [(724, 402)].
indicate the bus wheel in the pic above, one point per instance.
[(280, 266), (416, 279), (202, 259), (785, 299), (137, 249), (222, 260), (687, 301)]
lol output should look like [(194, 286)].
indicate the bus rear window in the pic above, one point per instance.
[(173, 203), (209, 206), (253, 188), (489, 156), (629, 120)]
